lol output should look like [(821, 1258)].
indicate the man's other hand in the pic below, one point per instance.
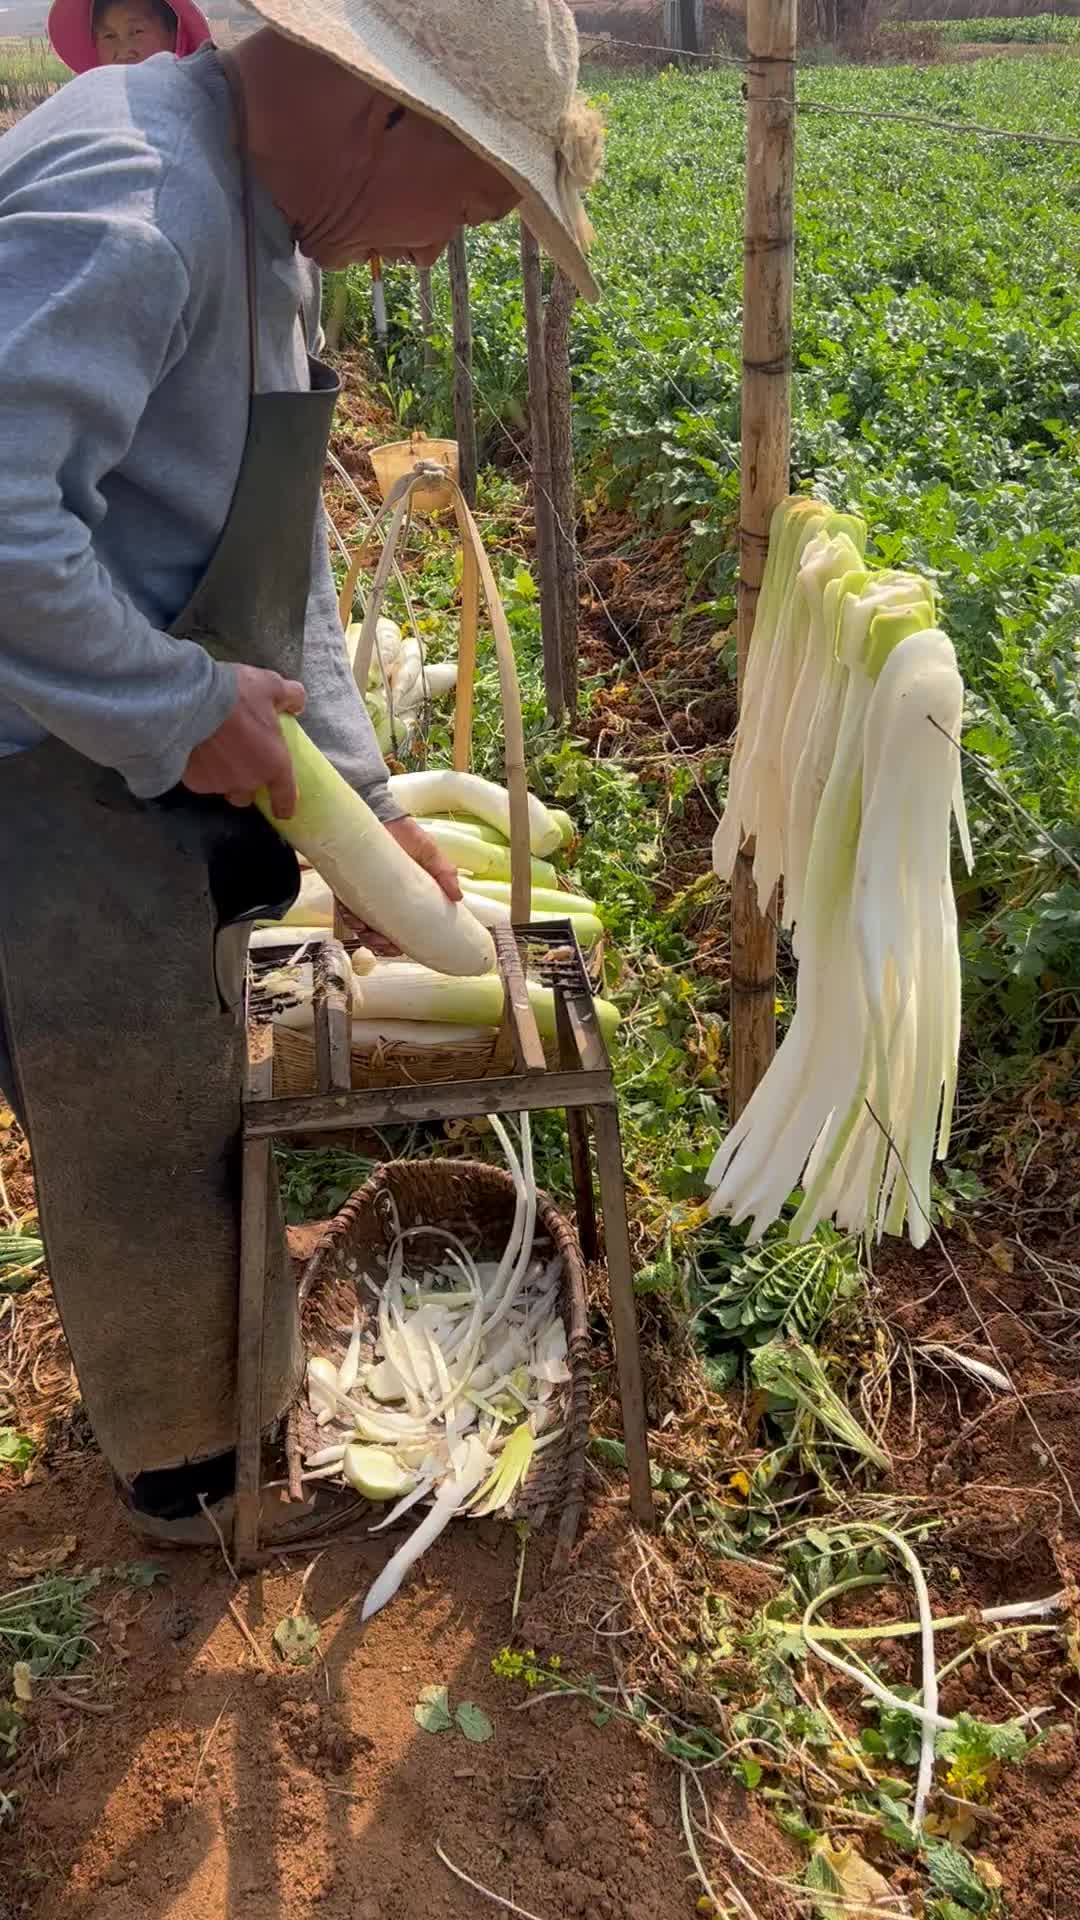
[(420, 847)]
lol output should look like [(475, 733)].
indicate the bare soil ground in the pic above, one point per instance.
[(200, 1780), (184, 1774)]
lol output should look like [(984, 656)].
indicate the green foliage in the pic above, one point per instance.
[(823, 1558), (432, 1710), (473, 1722), (976, 1752), (29, 72), (778, 1291), (795, 1379), (22, 1255), (937, 381), (952, 1874), (16, 1449), (317, 1181), (48, 1622), (296, 1639), (1032, 29), (897, 1735)]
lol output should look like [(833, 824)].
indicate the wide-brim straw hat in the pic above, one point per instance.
[(71, 36), (500, 74)]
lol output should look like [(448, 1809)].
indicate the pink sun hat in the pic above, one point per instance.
[(71, 33)]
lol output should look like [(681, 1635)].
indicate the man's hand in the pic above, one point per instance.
[(420, 847), (248, 750)]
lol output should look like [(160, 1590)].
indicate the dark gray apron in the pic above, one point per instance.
[(123, 935)]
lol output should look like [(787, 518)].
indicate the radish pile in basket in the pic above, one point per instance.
[(464, 1385), (846, 772)]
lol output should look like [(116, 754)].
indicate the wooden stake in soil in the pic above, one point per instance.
[(540, 437), (560, 307), (464, 414), (766, 457)]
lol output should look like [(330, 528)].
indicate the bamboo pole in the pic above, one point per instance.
[(540, 440), (339, 308), (427, 318), (768, 282), (464, 411), (560, 307)]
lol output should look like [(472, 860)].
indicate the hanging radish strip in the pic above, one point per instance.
[(859, 1097), (780, 639)]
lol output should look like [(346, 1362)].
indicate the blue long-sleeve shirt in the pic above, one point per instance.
[(123, 412)]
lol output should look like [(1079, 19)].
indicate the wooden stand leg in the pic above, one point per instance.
[(623, 1311), (251, 1309), (577, 1135)]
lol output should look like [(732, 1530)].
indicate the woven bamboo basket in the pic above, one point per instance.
[(477, 1203), (394, 462), (294, 1053)]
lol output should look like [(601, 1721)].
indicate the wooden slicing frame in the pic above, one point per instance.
[(477, 1203), (294, 1053)]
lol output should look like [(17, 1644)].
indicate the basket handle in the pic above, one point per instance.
[(476, 574)]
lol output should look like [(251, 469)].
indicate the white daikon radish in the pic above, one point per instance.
[(408, 674), (350, 1366), (495, 913), (440, 679), (388, 644), (369, 1034), (402, 990), (369, 872), (549, 900), (451, 1497), (375, 1473), (441, 790), (476, 828), (464, 1381), (470, 854), (279, 933), (322, 1389), (780, 636)]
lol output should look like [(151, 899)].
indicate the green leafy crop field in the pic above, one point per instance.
[(1032, 29), (937, 357), (29, 72)]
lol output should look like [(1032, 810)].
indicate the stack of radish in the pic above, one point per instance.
[(421, 1001), (470, 819)]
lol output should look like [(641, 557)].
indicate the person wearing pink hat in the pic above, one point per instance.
[(115, 33)]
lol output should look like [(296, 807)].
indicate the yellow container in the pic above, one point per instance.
[(393, 462)]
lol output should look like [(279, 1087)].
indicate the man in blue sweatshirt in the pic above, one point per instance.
[(165, 594)]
